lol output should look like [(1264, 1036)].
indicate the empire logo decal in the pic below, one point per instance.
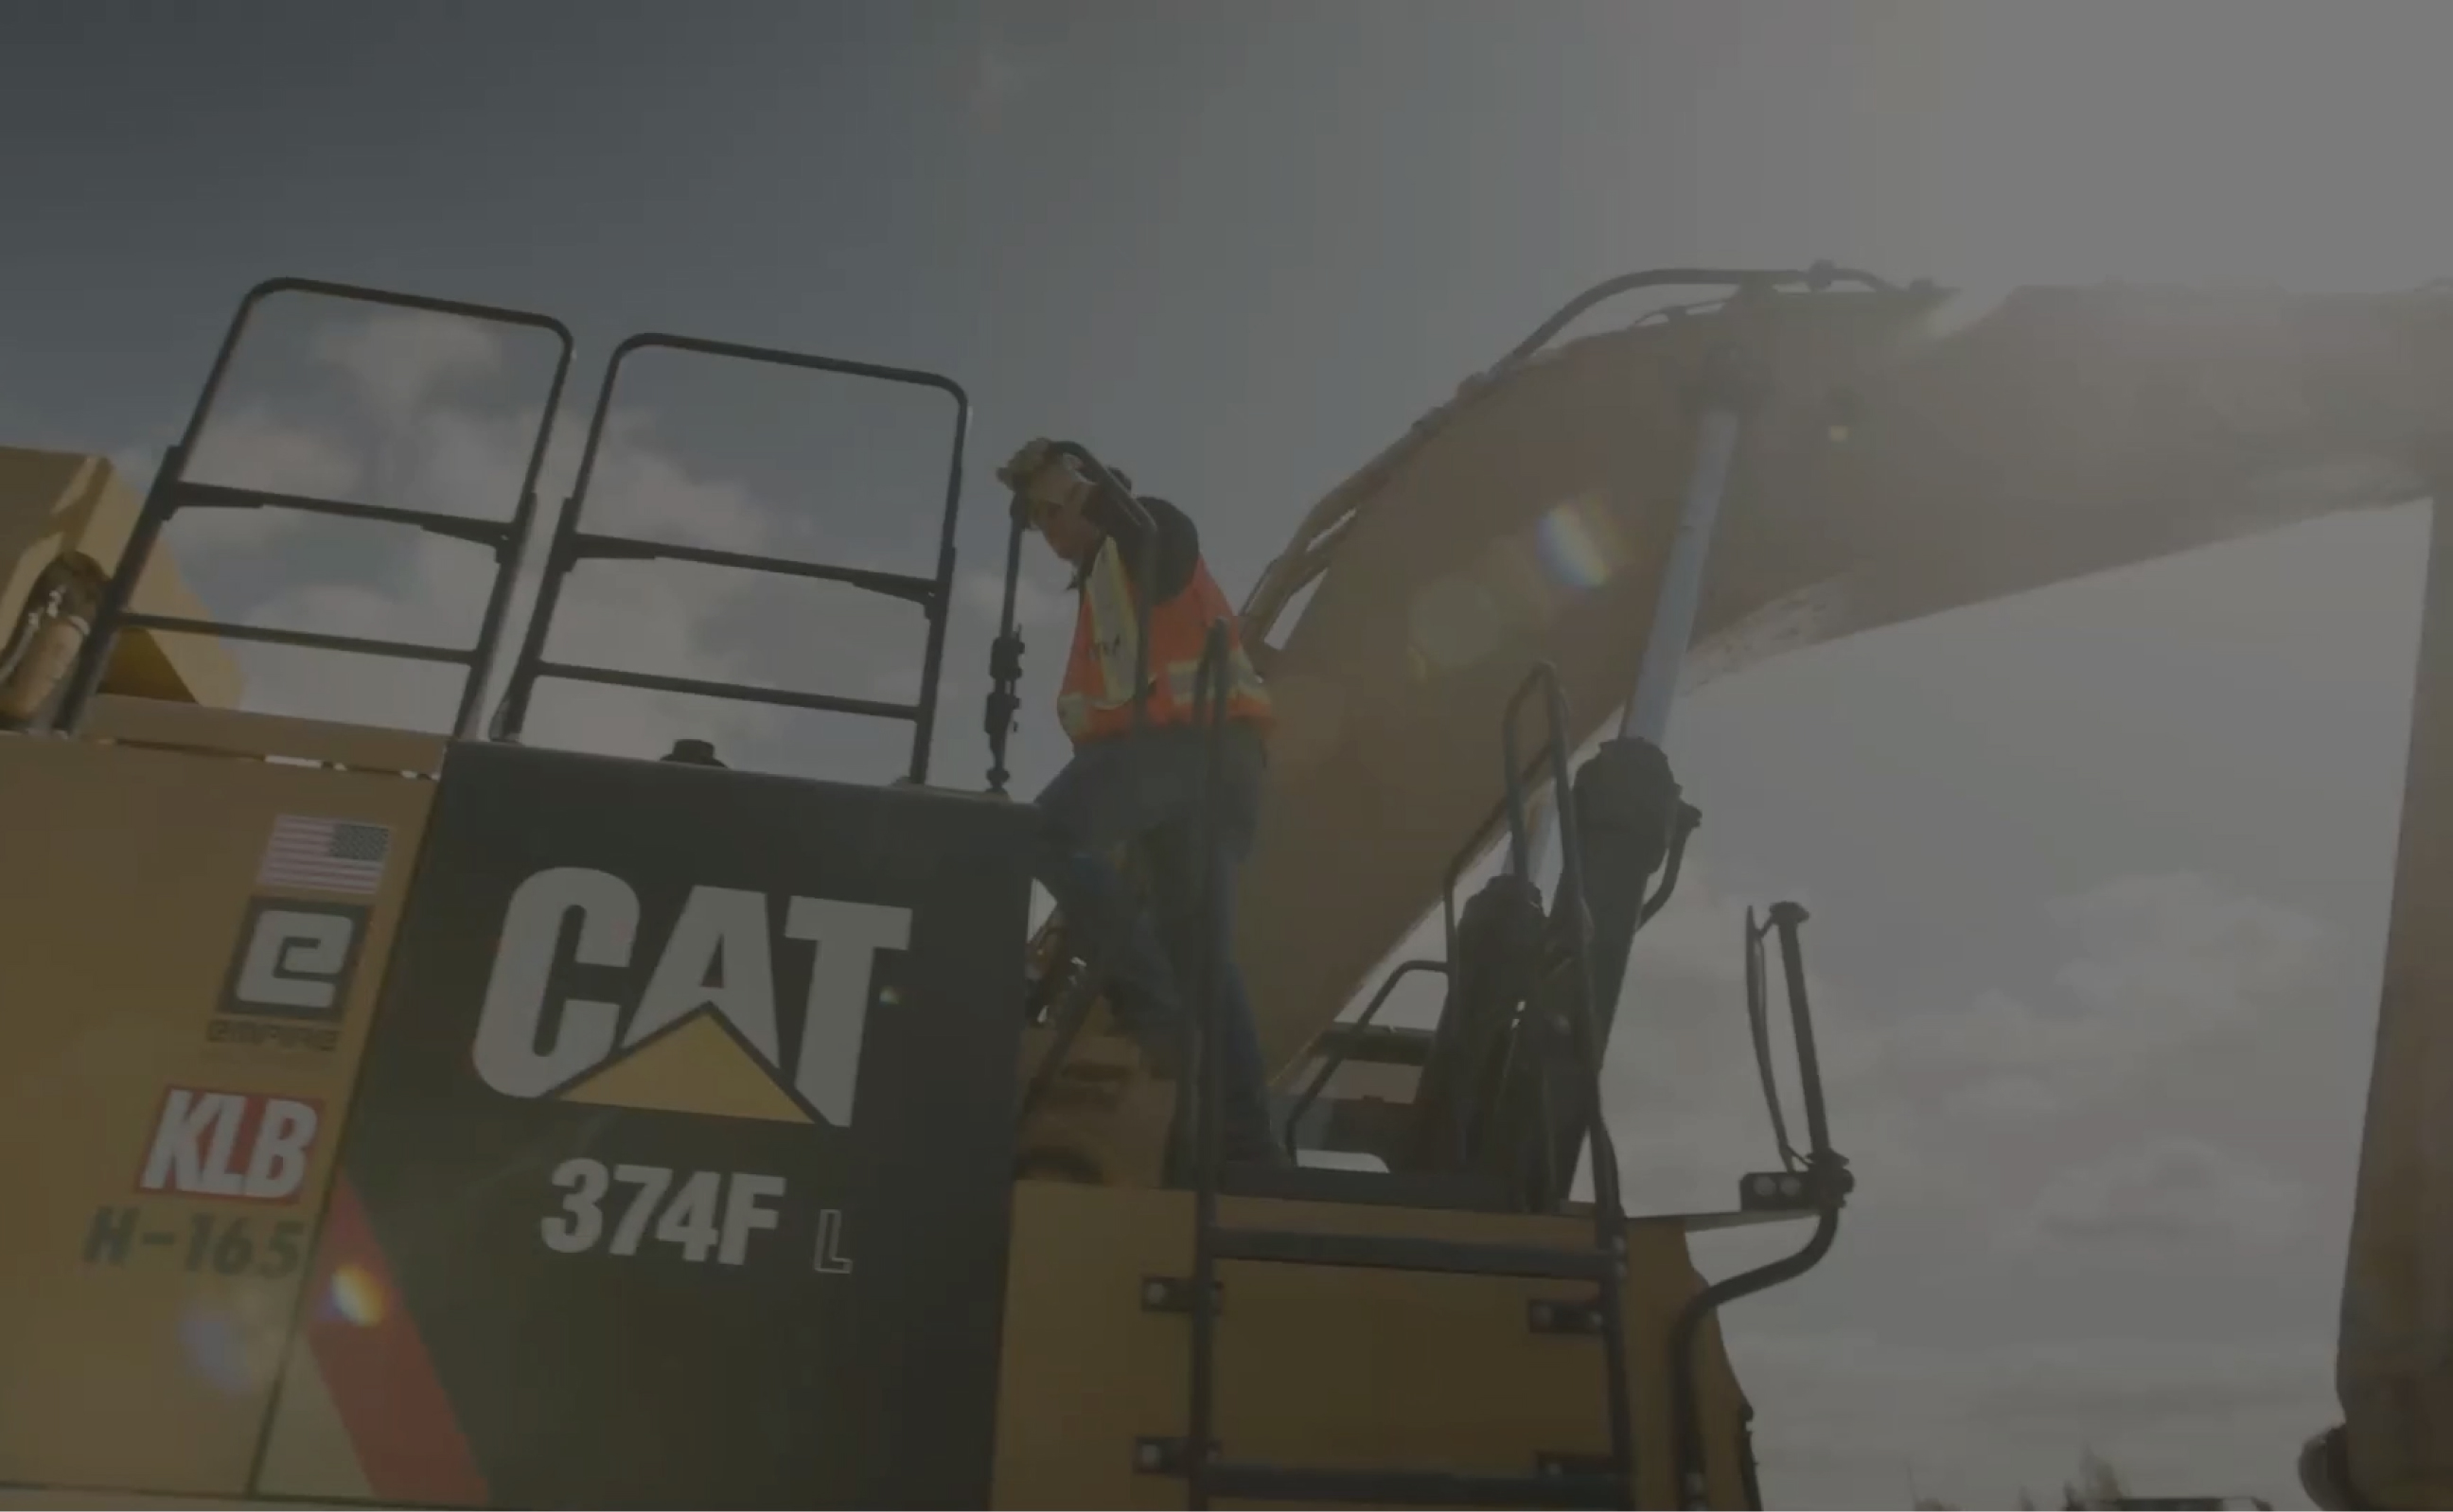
[(705, 1031), (245, 1146), (289, 982)]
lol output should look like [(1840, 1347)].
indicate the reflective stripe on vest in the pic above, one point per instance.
[(1097, 697)]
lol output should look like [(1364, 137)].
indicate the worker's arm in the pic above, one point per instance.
[(1179, 542)]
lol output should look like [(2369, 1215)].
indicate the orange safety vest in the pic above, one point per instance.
[(1096, 702)]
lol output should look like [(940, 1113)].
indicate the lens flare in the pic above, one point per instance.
[(357, 1297), (232, 1341), (216, 1347), (1580, 543)]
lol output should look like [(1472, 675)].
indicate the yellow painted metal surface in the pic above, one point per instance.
[(2393, 1371), (58, 502), (13, 1496), (308, 1450), (190, 984), (1105, 1116), (2068, 432), (1320, 1367), (189, 727), (148, 1347)]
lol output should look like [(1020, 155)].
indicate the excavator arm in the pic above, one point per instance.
[(1883, 465)]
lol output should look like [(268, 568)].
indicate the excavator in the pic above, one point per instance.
[(485, 1123)]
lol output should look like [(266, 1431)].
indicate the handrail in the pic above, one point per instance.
[(1307, 556), (1206, 1070), (571, 546), (1609, 1211), (1570, 905), (1331, 1063), (1827, 1184), (1814, 280), (172, 490)]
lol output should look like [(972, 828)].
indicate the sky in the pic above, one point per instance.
[(2098, 876)]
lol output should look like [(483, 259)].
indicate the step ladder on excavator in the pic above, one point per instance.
[(1094, 1107), (1605, 1482)]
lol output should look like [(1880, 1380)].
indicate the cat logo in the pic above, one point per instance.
[(702, 1034)]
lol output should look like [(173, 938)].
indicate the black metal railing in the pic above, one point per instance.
[(573, 544), (1349, 1039), (1207, 1071), (1355, 1037), (1818, 1182), (172, 490), (1814, 280), (1609, 1209), (1344, 1046), (1346, 1040)]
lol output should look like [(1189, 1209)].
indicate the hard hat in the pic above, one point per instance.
[(1019, 469), (1044, 483)]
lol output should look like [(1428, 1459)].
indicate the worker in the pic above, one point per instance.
[(1126, 785)]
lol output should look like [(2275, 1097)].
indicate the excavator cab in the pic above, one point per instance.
[(407, 1119)]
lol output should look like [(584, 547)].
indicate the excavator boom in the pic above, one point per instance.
[(1889, 467), (1888, 470)]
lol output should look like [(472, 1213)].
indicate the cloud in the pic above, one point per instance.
[(2174, 1190), (1860, 1417), (639, 489), (2071, 1197), (2180, 951), (251, 447), (398, 361), (2170, 980)]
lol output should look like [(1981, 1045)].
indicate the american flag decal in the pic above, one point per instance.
[(327, 855)]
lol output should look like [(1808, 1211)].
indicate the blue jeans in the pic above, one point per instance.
[(1147, 787)]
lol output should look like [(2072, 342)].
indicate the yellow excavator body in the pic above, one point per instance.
[(263, 1251), (446, 1122), (62, 510), (417, 1119)]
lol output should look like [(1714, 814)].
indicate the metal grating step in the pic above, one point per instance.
[(1397, 1252)]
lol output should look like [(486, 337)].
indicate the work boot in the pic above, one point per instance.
[(1101, 1119)]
